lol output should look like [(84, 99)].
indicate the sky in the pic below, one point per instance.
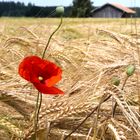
[(129, 3)]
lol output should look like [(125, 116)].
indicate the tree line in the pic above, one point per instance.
[(79, 8)]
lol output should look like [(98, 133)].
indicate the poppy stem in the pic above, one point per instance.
[(51, 37), (38, 106), (39, 96)]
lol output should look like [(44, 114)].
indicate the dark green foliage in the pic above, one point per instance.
[(12, 9), (20, 9), (137, 9), (81, 8)]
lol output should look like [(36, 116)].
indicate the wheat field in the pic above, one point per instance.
[(90, 52)]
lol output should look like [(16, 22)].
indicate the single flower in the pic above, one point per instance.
[(42, 73)]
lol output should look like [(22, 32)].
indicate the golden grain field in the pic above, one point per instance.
[(90, 52)]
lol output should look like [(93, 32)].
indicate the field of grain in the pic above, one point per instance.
[(90, 52)]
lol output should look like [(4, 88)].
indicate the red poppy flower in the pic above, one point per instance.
[(42, 73)]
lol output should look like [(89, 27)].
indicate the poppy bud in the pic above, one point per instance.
[(115, 81), (60, 10), (130, 70)]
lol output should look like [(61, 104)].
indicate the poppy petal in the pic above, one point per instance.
[(23, 72), (28, 70), (33, 67), (47, 90), (54, 79)]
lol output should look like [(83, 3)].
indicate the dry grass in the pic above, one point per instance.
[(90, 52)]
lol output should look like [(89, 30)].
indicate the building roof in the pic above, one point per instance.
[(118, 6), (123, 8)]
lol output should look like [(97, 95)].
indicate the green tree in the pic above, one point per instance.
[(82, 8)]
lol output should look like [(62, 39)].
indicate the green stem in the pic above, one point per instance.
[(36, 118), (51, 37), (115, 105), (38, 106), (39, 96)]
